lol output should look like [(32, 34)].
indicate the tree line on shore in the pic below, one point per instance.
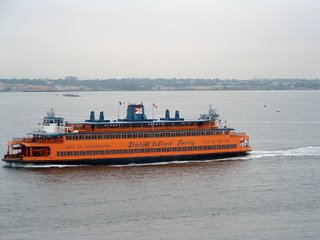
[(156, 84)]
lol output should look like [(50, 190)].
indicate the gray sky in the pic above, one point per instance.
[(90, 39)]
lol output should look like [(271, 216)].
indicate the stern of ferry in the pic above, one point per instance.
[(37, 147), (26, 151), (14, 153)]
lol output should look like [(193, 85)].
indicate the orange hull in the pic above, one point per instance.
[(127, 143)]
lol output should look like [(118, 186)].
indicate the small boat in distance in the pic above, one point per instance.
[(135, 139), (70, 95)]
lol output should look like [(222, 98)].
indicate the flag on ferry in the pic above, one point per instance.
[(138, 110), (154, 105)]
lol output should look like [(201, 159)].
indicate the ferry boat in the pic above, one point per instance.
[(135, 139)]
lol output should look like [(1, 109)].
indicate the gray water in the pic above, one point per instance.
[(271, 194)]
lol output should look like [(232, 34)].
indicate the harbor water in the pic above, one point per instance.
[(273, 193)]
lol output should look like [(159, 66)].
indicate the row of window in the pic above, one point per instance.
[(144, 150), (145, 135), (149, 124)]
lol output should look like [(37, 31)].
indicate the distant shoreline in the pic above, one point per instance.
[(72, 84), (172, 90)]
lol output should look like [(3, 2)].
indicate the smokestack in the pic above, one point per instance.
[(177, 115), (92, 116), (101, 116), (167, 114)]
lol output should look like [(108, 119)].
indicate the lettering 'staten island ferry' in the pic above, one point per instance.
[(135, 139)]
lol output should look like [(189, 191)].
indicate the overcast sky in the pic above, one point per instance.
[(90, 39)]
